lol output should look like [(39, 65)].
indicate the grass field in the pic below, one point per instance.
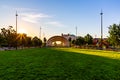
[(59, 64)]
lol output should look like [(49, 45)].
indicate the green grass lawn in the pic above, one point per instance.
[(59, 64)]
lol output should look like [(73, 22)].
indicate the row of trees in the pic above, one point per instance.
[(86, 40), (9, 38), (114, 35), (113, 38)]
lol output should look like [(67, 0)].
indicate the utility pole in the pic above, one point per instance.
[(101, 28), (76, 31), (40, 32), (16, 20), (16, 28)]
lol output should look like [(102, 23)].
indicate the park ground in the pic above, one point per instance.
[(59, 64)]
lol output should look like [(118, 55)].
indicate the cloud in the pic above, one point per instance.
[(55, 23), (27, 14), (17, 8), (33, 17)]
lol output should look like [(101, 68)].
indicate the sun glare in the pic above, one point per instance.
[(22, 31)]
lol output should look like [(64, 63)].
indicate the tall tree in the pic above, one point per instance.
[(45, 40), (1, 39), (29, 41), (70, 39), (80, 41), (37, 42), (74, 42), (88, 39), (22, 39), (114, 34), (9, 36)]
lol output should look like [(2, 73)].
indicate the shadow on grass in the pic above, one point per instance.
[(51, 64), (82, 66)]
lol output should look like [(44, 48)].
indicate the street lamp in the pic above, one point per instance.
[(16, 21), (76, 32), (16, 28), (40, 32), (101, 28)]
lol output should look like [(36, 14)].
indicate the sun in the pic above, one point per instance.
[(22, 31)]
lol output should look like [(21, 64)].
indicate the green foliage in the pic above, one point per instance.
[(80, 41), (1, 39), (114, 34), (70, 41), (36, 42), (29, 41), (73, 41), (45, 41), (22, 39), (88, 39), (59, 64), (9, 36)]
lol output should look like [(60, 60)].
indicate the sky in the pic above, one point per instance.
[(60, 16)]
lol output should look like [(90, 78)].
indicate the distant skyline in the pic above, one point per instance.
[(60, 16)]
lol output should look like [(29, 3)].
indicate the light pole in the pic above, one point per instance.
[(16, 28), (101, 28), (40, 32), (16, 20), (76, 31)]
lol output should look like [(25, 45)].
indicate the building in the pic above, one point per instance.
[(60, 41), (67, 36)]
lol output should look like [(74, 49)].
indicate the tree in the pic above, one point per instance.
[(29, 41), (74, 42), (45, 40), (36, 42), (80, 41), (114, 34), (88, 39), (70, 39), (9, 36), (1, 39), (22, 39)]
